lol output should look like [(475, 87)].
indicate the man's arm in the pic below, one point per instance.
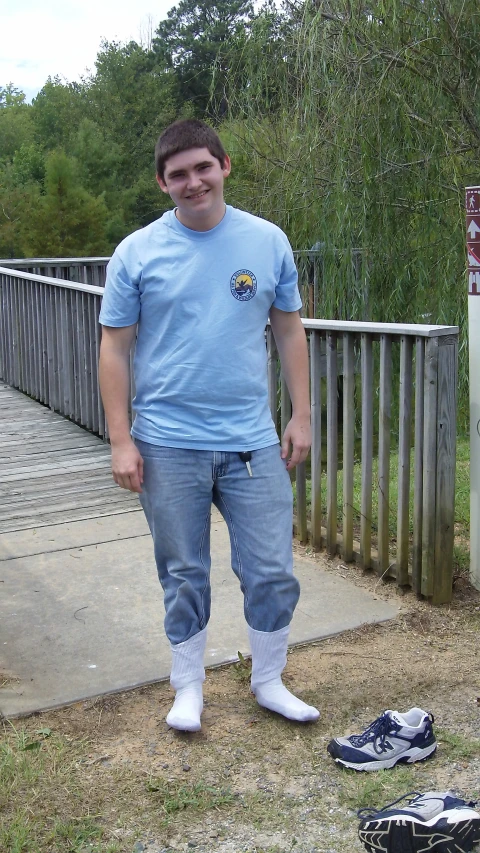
[(292, 347), (114, 367)]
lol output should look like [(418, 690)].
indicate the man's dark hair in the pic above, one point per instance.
[(185, 134)]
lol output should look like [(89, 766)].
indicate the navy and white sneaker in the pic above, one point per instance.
[(434, 822), (390, 739)]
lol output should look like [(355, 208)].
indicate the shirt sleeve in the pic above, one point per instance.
[(121, 300), (287, 296)]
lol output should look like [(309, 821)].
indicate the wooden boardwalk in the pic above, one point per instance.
[(51, 470)]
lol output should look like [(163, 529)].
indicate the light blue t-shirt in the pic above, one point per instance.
[(201, 300)]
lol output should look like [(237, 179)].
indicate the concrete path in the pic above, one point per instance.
[(80, 605)]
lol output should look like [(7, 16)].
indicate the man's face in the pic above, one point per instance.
[(194, 181)]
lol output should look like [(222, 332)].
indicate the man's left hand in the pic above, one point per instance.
[(298, 435)]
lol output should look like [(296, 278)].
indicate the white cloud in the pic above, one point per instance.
[(62, 37)]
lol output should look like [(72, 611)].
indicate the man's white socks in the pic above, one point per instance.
[(187, 677), (269, 658)]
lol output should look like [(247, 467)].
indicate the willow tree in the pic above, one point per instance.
[(363, 128), (363, 123)]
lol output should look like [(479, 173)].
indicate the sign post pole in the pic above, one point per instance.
[(472, 204)]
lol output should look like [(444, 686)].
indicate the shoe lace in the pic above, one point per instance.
[(410, 798), (371, 812), (376, 732)]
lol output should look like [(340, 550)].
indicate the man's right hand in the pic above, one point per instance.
[(127, 466)]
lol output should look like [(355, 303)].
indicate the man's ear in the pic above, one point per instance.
[(162, 184), (227, 166)]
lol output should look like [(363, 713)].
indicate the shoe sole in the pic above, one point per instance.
[(405, 758), (397, 835)]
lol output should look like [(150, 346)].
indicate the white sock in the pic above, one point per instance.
[(187, 708), (269, 657), (186, 678), (275, 696)]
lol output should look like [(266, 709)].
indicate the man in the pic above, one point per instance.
[(198, 286)]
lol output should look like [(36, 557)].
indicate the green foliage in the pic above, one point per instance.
[(352, 126), (10, 96), (67, 221), (16, 205), (366, 138), (56, 112), (28, 165), (16, 129), (196, 38), (173, 796), (134, 101)]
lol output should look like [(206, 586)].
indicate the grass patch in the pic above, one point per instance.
[(462, 501), (376, 789), (38, 789), (172, 797), (456, 746)]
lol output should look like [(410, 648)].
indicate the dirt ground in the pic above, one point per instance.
[(261, 784)]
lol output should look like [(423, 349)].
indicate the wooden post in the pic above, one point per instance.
[(332, 442), (348, 444), (316, 451), (384, 427), (429, 466), (445, 474), (367, 453), (404, 446), (418, 466)]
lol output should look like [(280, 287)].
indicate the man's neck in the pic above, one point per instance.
[(199, 223)]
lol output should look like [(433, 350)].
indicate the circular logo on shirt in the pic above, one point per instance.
[(243, 285)]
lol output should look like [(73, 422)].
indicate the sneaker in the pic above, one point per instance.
[(433, 822), (391, 739)]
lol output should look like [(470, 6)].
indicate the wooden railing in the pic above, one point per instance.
[(310, 265), (80, 270), (401, 378)]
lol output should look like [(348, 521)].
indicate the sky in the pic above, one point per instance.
[(42, 38)]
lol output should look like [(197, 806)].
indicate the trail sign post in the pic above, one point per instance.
[(472, 204)]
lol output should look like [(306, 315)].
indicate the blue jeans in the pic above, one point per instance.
[(178, 490)]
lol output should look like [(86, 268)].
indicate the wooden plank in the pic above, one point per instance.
[(367, 452), (107, 497), (301, 489), (384, 430), (445, 480), (47, 457), (74, 467), (73, 515), (272, 357), (332, 442), (51, 346), (93, 365), (56, 481), (429, 466), (55, 442), (418, 466), (316, 451), (285, 405), (348, 444), (47, 491), (367, 328), (404, 447)]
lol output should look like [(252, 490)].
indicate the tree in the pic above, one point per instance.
[(373, 135), (57, 111), (16, 125), (10, 96), (131, 100), (68, 221), (198, 37), (16, 204)]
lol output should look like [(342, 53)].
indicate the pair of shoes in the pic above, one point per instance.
[(434, 822), (391, 739)]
